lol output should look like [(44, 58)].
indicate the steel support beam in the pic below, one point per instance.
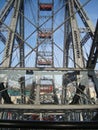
[(87, 22), (85, 39), (3, 38), (93, 55), (46, 69), (48, 107), (77, 50), (21, 43), (67, 38), (49, 125), (11, 35), (5, 11)]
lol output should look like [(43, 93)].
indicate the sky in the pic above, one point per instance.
[(91, 9)]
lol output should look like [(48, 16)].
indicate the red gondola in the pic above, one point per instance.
[(44, 35), (46, 89), (46, 7), (44, 62)]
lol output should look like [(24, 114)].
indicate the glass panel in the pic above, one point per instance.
[(48, 95)]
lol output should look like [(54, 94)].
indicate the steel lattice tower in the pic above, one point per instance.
[(72, 33), (19, 6), (12, 35), (44, 55)]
